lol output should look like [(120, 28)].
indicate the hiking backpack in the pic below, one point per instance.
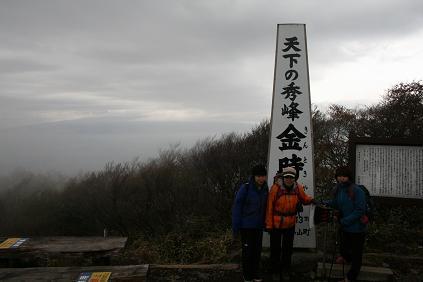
[(370, 205), (370, 210)]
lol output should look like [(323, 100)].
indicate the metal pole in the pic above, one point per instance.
[(325, 234)]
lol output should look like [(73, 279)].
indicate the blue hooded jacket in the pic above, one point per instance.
[(249, 209), (351, 202)]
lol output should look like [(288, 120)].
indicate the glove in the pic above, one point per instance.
[(336, 216), (268, 230)]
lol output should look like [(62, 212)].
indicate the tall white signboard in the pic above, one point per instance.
[(291, 133)]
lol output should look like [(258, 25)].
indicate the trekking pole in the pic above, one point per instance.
[(323, 215), (343, 260), (334, 249), (325, 237), (338, 235)]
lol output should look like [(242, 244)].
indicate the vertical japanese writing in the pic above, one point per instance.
[(290, 140), (389, 170)]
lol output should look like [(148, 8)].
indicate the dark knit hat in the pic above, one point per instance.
[(258, 170), (343, 171)]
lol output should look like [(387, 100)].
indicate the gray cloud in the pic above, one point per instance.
[(20, 65), (67, 67), (78, 145)]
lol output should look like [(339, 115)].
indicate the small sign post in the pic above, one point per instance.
[(94, 277), (12, 243)]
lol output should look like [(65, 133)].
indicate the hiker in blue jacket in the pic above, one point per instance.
[(248, 216), (350, 201)]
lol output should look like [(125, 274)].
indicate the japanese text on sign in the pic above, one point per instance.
[(291, 134), (390, 171)]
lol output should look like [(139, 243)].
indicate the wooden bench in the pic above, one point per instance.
[(62, 251), (118, 273)]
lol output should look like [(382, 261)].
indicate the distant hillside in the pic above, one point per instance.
[(185, 195)]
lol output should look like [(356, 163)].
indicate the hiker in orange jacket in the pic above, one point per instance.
[(283, 203)]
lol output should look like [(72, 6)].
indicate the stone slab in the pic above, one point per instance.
[(62, 251)]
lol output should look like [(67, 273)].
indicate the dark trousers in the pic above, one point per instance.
[(281, 263), (251, 252), (352, 245)]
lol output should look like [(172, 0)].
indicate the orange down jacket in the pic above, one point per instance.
[(281, 209)]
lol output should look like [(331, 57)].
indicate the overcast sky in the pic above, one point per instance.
[(87, 82)]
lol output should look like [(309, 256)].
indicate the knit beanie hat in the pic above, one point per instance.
[(343, 171), (259, 170)]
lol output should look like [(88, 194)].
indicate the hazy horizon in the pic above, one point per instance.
[(84, 83)]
